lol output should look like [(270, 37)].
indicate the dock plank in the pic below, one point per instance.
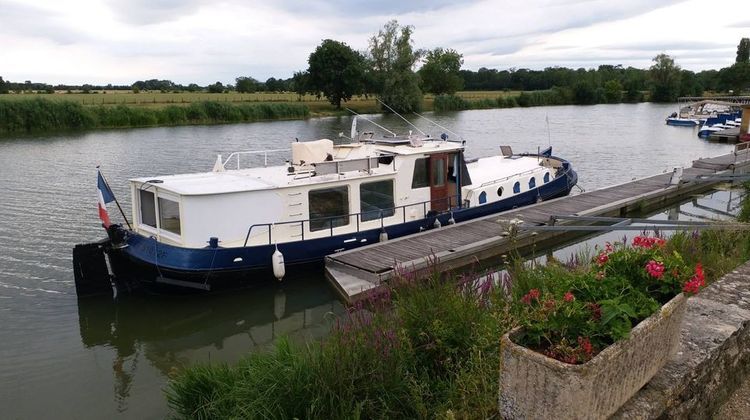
[(361, 269)]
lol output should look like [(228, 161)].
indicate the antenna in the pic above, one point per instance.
[(400, 116), (439, 126), (373, 122)]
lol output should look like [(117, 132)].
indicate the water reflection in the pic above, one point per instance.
[(170, 332)]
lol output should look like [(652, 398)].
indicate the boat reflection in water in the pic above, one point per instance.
[(170, 332)]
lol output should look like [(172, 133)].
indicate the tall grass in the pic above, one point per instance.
[(44, 115), (418, 350), (423, 348)]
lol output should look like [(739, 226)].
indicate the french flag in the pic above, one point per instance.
[(105, 196)]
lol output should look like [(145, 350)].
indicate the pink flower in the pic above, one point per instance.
[(608, 248), (569, 297), (602, 259), (655, 269), (549, 304), (600, 275)]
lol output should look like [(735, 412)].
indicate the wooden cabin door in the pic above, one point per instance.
[(440, 194)]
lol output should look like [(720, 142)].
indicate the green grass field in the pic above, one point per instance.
[(159, 99)]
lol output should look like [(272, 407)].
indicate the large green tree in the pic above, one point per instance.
[(440, 72), (665, 79), (3, 86), (336, 71), (245, 84), (393, 59), (743, 51)]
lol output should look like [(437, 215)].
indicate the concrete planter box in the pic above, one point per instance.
[(533, 385)]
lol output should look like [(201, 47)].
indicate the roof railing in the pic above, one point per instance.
[(265, 153)]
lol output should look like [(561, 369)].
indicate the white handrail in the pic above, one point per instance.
[(252, 152)]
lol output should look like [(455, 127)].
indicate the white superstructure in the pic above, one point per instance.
[(326, 189)]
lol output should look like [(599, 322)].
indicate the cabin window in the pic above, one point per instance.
[(438, 172), (532, 183), (169, 215), (500, 192), (516, 187), (148, 208), (329, 207), (482, 197), (420, 178), (546, 177), (374, 198)]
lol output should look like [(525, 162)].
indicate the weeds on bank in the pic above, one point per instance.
[(424, 347)]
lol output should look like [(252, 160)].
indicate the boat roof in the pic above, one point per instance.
[(275, 177)]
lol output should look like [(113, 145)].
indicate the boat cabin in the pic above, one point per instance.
[(324, 190)]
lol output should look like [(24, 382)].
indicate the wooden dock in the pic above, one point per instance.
[(357, 272)]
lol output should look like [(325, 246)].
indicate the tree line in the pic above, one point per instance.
[(393, 70)]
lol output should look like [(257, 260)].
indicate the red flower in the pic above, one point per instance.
[(602, 259), (549, 304), (699, 272), (648, 243), (532, 295), (655, 269), (585, 345), (569, 297), (596, 311), (608, 248), (692, 287)]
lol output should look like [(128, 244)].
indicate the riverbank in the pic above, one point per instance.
[(37, 113), (421, 348)]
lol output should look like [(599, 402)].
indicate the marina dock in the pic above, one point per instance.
[(360, 271)]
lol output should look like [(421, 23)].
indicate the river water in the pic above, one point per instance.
[(65, 358)]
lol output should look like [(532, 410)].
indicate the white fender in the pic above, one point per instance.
[(277, 262), (437, 223), (383, 236)]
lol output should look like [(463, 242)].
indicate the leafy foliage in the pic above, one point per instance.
[(336, 71), (743, 51), (393, 58), (440, 72), (571, 315), (665, 79)]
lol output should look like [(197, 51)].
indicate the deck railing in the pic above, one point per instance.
[(265, 153), (451, 201)]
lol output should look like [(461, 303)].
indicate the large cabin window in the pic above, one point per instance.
[(169, 215), (374, 198), (421, 172), (148, 208), (329, 207)]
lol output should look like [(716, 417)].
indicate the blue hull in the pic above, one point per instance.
[(682, 123), (145, 260)]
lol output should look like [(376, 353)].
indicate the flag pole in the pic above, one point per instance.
[(116, 202)]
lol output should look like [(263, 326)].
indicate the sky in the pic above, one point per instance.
[(204, 41)]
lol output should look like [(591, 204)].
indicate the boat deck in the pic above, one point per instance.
[(357, 272)]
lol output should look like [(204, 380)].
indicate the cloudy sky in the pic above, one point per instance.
[(202, 41)]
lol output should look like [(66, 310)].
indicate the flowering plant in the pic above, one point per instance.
[(572, 313)]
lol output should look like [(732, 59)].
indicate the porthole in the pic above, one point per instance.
[(500, 192), (482, 197)]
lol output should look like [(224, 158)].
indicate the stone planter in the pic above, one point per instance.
[(533, 385)]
